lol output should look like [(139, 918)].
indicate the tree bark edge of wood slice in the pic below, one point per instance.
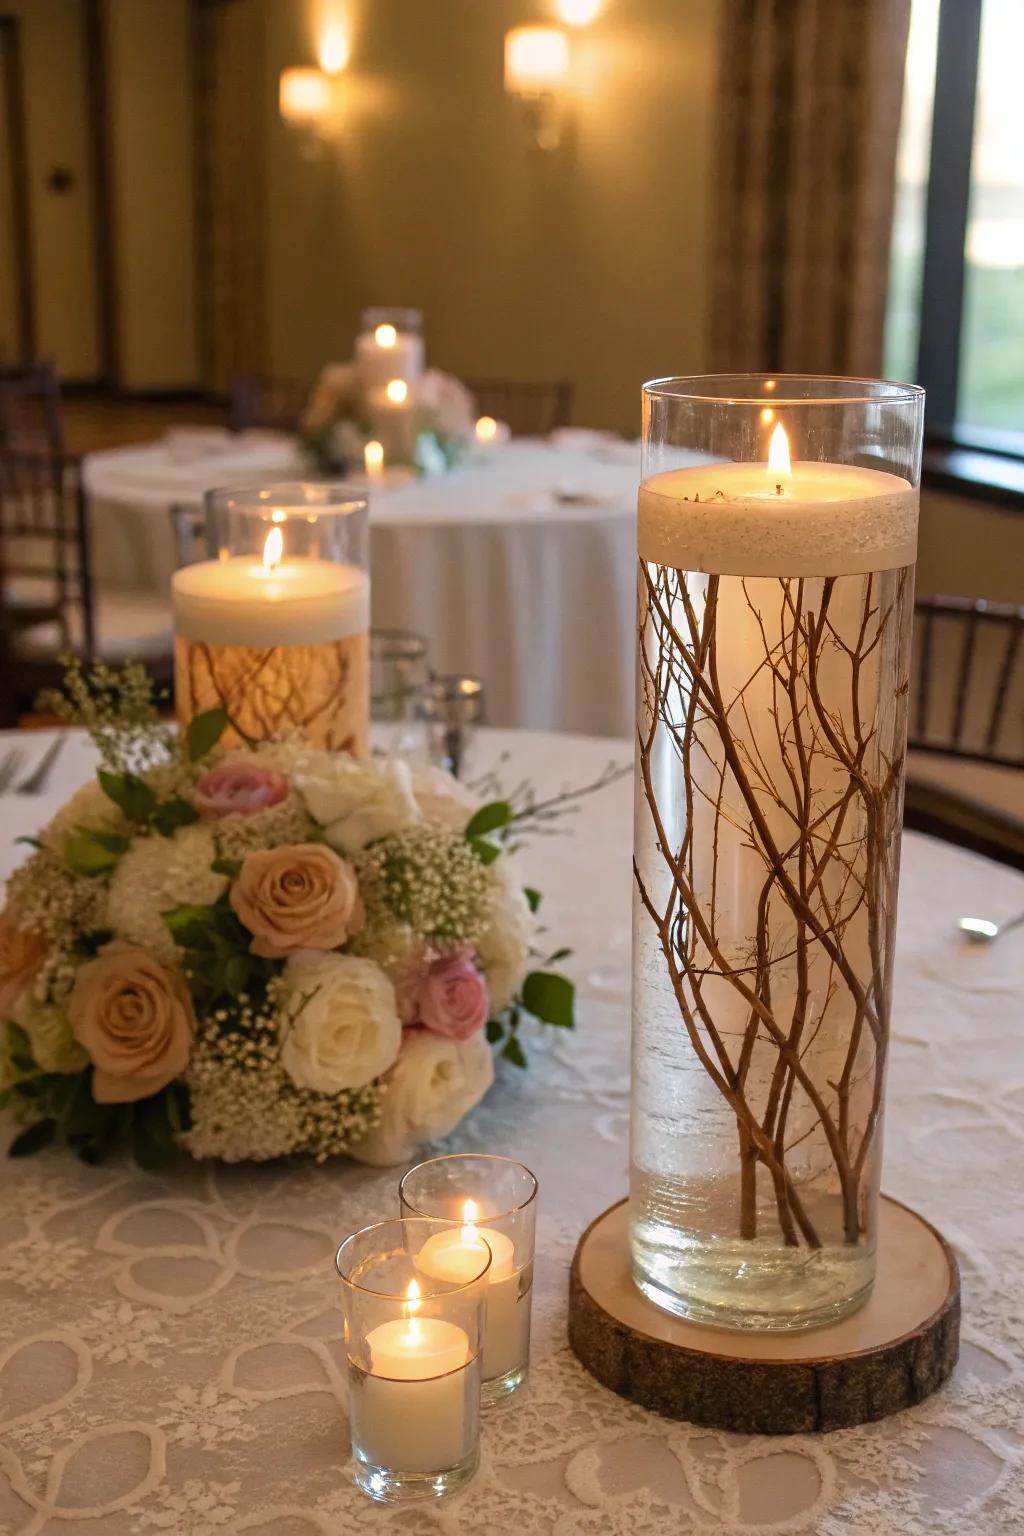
[(893, 1353)]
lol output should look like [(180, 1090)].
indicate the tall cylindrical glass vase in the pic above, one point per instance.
[(777, 535)]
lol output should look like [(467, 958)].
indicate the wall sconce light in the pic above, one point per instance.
[(536, 69), (304, 97)]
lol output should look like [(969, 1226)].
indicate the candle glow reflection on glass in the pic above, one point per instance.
[(397, 391)]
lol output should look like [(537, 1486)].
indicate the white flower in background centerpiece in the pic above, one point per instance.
[(156, 875), (446, 406), (433, 1084), (503, 949), (355, 802), (346, 1030)]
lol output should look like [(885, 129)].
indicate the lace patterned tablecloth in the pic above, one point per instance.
[(169, 1347)]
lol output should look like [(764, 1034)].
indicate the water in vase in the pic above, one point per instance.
[(770, 745)]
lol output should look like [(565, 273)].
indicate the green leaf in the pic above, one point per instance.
[(489, 818), (34, 1139), (92, 853), (559, 954), (204, 732), (230, 867), (549, 997), (172, 814), (533, 898), (512, 1051), (89, 944), (188, 923), (486, 852), (129, 793), (494, 1031), (30, 842), (153, 1144)]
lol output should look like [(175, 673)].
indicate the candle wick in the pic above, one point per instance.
[(778, 489)]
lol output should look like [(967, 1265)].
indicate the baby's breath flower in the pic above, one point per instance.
[(426, 879), (288, 822), (49, 898)]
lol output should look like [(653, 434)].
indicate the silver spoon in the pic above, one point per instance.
[(982, 930)]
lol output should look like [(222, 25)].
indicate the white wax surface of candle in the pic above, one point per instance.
[(823, 520), (413, 1412), (456, 1256), (239, 601)]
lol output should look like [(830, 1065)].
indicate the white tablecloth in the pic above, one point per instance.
[(519, 567), (170, 1358)]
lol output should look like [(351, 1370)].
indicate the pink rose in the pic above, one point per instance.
[(21, 954), (302, 896), (135, 1019), (453, 999), (238, 789)]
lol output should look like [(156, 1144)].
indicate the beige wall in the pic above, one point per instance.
[(62, 227), (970, 549), (589, 263), (151, 121)]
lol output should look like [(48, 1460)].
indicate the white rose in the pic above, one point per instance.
[(433, 1084), (357, 803), (157, 874), (348, 1031), (503, 949), (442, 798)]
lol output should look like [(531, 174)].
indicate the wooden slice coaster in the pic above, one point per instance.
[(893, 1353)]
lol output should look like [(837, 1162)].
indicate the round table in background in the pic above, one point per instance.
[(518, 567), (170, 1349)]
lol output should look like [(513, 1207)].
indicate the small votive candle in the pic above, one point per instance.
[(413, 1340), (373, 460), (489, 1202), (490, 433)]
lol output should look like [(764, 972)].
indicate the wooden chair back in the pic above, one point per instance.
[(531, 410), (31, 417), (276, 404), (45, 572), (967, 690)]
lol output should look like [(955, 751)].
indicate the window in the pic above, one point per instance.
[(956, 307)]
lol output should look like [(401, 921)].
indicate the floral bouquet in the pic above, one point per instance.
[(336, 424), (262, 951)]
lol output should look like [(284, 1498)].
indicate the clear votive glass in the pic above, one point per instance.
[(490, 1200), (399, 673), (412, 1341), (274, 627)]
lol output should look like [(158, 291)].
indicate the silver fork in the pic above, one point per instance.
[(35, 782), (10, 767)]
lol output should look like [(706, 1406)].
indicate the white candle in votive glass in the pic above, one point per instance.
[(413, 1410), (252, 601), (455, 1256), (386, 353)]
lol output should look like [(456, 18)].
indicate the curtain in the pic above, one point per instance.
[(810, 93), (230, 154)]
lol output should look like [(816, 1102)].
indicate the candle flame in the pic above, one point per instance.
[(412, 1306), (778, 451), (385, 335), (398, 391), (273, 549), (470, 1212), (486, 428)]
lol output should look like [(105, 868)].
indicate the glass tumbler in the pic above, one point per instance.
[(491, 1200), (777, 536), (412, 1340)]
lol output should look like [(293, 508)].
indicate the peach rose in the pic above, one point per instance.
[(301, 896), (135, 1019), (21, 954)]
